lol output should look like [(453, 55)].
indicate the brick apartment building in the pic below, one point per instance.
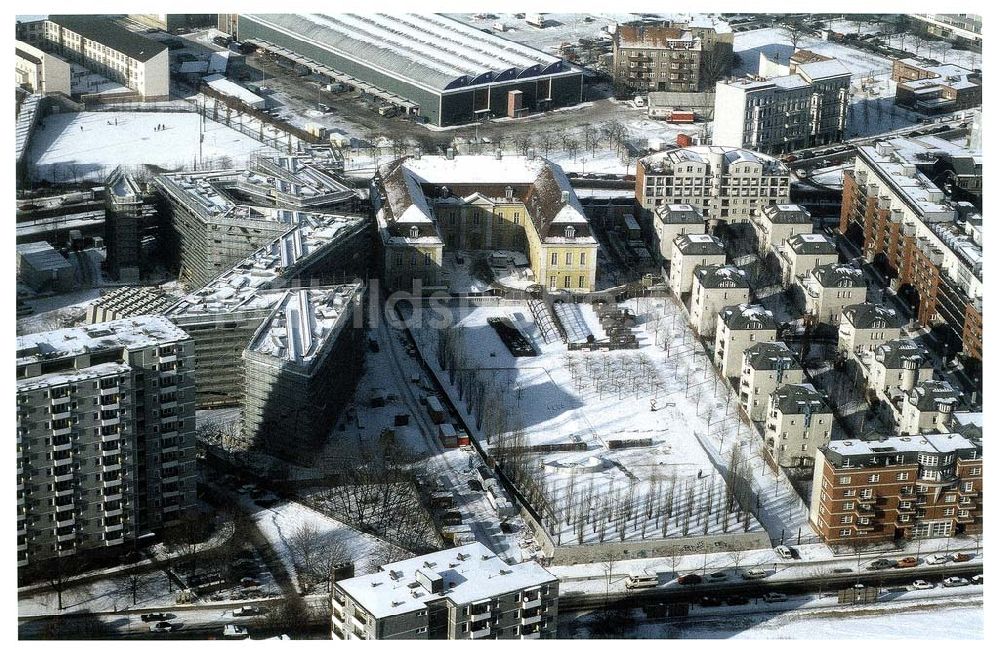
[(676, 57), (897, 488), (932, 88), (928, 246)]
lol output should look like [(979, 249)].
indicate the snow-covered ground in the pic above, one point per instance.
[(692, 431), (911, 618), (83, 146), (280, 523), (57, 311)]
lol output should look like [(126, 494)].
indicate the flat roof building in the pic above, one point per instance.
[(466, 592), (43, 269)]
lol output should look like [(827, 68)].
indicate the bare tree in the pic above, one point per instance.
[(132, 584), (794, 30)]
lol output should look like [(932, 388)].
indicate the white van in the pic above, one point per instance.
[(641, 582)]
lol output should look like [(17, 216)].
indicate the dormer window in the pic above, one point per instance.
[(570, 232), (508, 192), (414, 232)]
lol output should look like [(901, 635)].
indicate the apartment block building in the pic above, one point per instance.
[(900, 487), (781, 114), (40, 72), (467, 592), (123, 217), (301, 368), (738, 328), (927, 86), (778, 222), (105, 436), (106, 48), (866, 326), (828, 289), (714, 287), (927, 245), (804, 252), (724, 183), (962, 28), (426, 204), (766, 366), (671, 57), (799, 421), (670, 221), (689, 251)]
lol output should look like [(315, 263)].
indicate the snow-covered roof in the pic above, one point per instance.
[(811, 244), (867, 315), (132, 333), (412, 187), (942, 443), (894, 353), (747, 317), (719, 276), (219, 82), (679, 214), (796, 398), (699, 244), (664, 161), (787, 213), (928, 395), (771, 356), (470, 573), (304, 322), (72, 375), (247, 286), (838, 275), (814, 71), (429, 50)]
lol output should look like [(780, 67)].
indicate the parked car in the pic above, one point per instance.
[(783, 551), (922, 584), (248, 611), (162, 626), (718, 576), (735, 600), (841, 570), (754, 573), (961, 557), (248, 582), (978, 579), (235, 631), (907, 562), (939, 559), (881, 564), (155, 616), (955, 581), (774, 596), (710, 601), (689, 579)]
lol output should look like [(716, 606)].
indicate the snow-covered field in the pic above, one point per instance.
[(83, 146), (567, 398)]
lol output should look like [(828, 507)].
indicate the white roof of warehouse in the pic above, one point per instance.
[(427, 49)]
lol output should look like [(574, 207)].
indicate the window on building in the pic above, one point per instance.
[(555, 258)]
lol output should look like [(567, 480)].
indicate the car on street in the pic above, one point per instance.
[(881, 564), (939, 559), (718, 576), (248, 582), (155, 616), (754, 573), (235, 631), (841, 570), (248, 611), (977, 579), (783, 551), (955, 581), (735, 600), (922, 584), (774, 596), (961, 557), (689, 579), (710, 601), (907, 562), (162, 626)]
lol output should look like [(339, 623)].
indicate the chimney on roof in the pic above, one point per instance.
[(418, 153), (565, 196), (450, 153)]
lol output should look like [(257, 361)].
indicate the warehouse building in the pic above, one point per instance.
[(44, 269), (431, 66)]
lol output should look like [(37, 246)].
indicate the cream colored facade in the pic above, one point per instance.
[(927, 408), (800, 253), (888, 373), (670, 221), (708, 300), (867, 335), (792, 433), (690, 251), (40, 72), (731, 342), (776, 223), (760, 378), (829, 289)]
